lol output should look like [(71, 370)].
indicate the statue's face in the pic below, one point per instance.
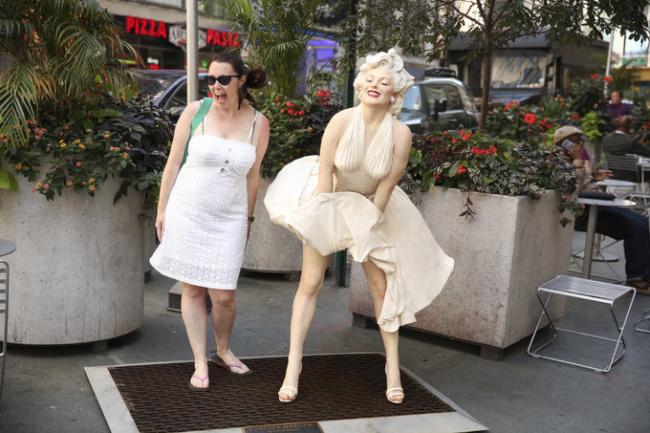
[(377, 87)]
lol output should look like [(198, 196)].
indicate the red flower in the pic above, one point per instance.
[(466, 136), (437, 177), (608, 79), (529, 118), (574, 116), (283, 110), (454, 140), (595, 77), (301, 113), (323, 93), (510, 105), (289, 104), (291, 111), (461, 169), (77, 164), (477, 150)]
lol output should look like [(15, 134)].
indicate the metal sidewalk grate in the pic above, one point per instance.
[(332, 387)]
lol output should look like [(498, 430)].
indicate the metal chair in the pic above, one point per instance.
[(643, 325), (587, 290), (625, 163), (6, 248)]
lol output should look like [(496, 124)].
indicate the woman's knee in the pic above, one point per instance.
[(223, 300), (310, 284), (193, 292), (376, 285)]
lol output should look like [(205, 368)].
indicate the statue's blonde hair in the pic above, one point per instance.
[(402, 80)]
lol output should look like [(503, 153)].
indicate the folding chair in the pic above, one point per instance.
[(587, 290)]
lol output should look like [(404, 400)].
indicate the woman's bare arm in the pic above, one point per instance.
[(174, 161)]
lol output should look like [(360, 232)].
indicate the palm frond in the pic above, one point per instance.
[(18, 102)]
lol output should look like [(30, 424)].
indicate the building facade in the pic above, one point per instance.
[(156, 29)]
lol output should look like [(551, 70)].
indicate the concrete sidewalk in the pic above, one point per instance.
[(46, 389)]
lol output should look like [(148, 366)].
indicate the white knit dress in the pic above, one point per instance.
[(206, 217)]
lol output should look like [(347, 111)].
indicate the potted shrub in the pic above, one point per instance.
[(297, 126), (492, 203), (86, 163)]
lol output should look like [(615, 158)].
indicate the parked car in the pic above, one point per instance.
[(168, 88), (439, 104)]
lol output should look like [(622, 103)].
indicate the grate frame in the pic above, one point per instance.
[(332, 387)]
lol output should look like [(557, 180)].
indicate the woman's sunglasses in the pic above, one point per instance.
[(224, 80)]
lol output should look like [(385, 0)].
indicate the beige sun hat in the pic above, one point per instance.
[(564, 132)]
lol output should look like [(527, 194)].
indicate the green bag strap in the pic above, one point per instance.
[(196, 121)]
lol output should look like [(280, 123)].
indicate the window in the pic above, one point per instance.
[(433, 94), (180, 96), (518, 71), (453, 98), (412, 99)]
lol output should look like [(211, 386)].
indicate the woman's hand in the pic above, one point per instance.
[(601, 174), (160, 225)]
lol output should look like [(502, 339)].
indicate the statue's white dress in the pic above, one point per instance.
[(397, 241)]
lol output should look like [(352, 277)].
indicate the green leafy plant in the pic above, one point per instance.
[(57, 53), (277, 33), (297, 126), (484, 163), (82, 150), (587, 95)]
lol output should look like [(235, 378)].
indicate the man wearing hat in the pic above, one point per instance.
[(617, 223)]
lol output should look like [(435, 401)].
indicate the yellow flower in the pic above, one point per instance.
[(82, 146), (62, 145), (76, 141), (19, 166), (91, 188), (91, 180), (125, 155)]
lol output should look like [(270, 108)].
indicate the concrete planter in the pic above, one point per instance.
[(271, 248), (150, 241), (77, 273), (511, 246)]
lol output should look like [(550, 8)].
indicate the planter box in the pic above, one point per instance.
[(77, 273), (271, 248), (511, 246)]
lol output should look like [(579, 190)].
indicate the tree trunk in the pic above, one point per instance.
[(487, 80)]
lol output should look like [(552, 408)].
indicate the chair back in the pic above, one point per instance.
[(623, 163)]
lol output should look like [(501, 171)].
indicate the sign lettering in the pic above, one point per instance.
[(176, 33)]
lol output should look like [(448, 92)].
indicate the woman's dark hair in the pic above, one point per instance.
[(255, 77)]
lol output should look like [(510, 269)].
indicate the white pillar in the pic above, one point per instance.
[(192, 50)]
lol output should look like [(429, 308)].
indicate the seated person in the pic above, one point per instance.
[(615, 222), (620, 142), (617, 107)]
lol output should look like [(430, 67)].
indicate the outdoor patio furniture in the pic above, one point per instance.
[(6, 248), (623, 163), (643, 325), (587, 290), (591, 226)]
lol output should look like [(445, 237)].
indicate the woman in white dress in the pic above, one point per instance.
[(348, 198), (206, 206)]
